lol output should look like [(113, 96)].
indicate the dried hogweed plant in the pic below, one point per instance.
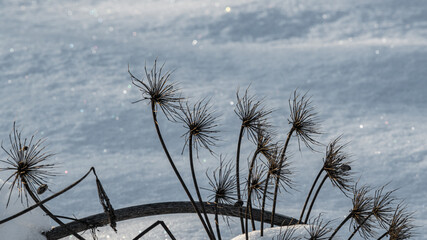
[(27, 158), (269, 170)]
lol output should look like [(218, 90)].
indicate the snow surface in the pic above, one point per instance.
[(63, 72), (271, 233)]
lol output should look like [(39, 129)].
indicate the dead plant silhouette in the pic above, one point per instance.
[(163, 94), (268, 172)]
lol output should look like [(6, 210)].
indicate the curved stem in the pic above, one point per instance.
[(263, 202), (34, 197), (314, 198), (276, 187), (153, 226), (46, 199), (196, 186), (360, 225), (309, 194), (239, 197), (342, 224), (159, 134), (249, 203), (218, 232), (250, 215)]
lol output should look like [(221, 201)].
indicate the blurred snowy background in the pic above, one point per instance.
[(63, 72)]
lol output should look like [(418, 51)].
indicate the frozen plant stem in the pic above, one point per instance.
[(239, 197), (249, 202), (264, 195), (314, 198), (309, 195), (34, 197), (276, 187), (218, 232), (196, 186), (342, 224), (156, 124)]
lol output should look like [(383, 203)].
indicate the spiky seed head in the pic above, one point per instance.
[(283, 173), (158, 90), (287, 234), (362, 207), (317, 229), (223, 183), (27, 159), (252, 113), (382, 206), (200, 122), (264, 142), (337, 166), (304, 120), (401, 225), (257, 183)]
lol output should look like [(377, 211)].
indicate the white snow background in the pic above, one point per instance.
[(63, 72)]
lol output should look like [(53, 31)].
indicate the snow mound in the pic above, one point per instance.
[(26, 227), (272, 233)]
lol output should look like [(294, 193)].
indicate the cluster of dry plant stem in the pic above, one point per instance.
[(268, 169)]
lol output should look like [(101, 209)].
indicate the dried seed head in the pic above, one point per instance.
[(223, 183), (257, 183), (400, 226), (252, 113), (287, 234), (264, 142), (362, 207), (26, 158), (158, 90), (382, 206), (304, 120), (317, 229), (284, 172), (200, 123), (337, 166)]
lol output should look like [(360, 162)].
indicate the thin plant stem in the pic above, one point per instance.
[(276, 187), (263, 203), (46, 199), (249, 203), (196, 186), (218, 231), (342, 224), (153, 226), (314, 198), (360, 225), (246, 219), (159, 134), (239, 197), (309, 195), (382, 236), (250, 215), (50, 214)]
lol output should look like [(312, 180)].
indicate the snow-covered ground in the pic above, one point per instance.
[(63, 72)]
